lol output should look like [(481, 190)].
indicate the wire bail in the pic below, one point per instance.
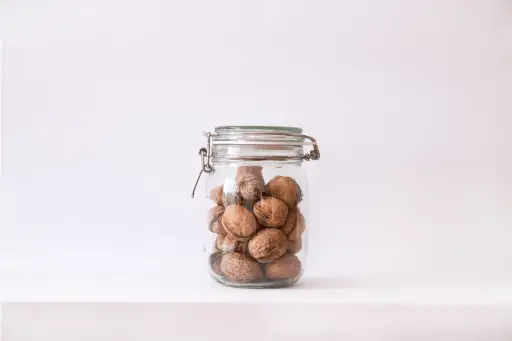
[(206, 165)]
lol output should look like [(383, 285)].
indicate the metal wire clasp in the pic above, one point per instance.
[(205, 154), (313, 154)]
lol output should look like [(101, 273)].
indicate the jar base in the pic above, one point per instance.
[(256, 285)]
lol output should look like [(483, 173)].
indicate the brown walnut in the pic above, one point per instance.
[(216, 227), (286, 189), (268, 245), (291, 221), (214, 219), (214, 245), (218, 242), (215, 213), (271, 212), (229, 244), (298, 228), (294, 246), (215, 259), (232, 198), (217, 194), (239, 222), (240, 268), (249, 182), (286, 267)]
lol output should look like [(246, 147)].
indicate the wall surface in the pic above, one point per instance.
[(104, 102)]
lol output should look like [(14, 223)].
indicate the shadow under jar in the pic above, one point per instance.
[(257, 215)]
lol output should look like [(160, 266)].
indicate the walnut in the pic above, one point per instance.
[(215, 259), (215, 213), (249, 182), (271, 212), (291, 221), (286, 267), (229, 244), (286, 189), (217, 194), (268, 245), (239, 222), (240, 268), (214, 219), (294, 246), (294, 229), (232, 198), (214, 245), (218, 242), (216, 227)]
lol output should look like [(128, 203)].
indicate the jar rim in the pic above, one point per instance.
[(257, 128)]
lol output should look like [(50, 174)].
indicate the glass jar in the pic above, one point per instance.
[(257, 211)]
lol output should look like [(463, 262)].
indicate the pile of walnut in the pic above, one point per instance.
[(259, 228)]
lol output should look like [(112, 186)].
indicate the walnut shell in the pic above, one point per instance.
[(286, 267), (291, 221), (268, 245), (239, 222), (214, 245), (240, 268), (229, 244), (294, 246), (215, 213), (298, 228), (286, 189), (217, 194), (232, 198), (271, 212), (214, 219), (218, 242), (216, 227), (249, 182), (215, 259)]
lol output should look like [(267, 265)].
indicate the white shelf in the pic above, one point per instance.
[(106, 322), (203, 290)]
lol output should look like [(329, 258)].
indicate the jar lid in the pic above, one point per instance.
[(260, 143)]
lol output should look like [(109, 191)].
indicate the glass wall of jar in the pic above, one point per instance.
[(257, 220)]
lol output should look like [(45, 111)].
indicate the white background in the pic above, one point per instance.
[(104, 101)]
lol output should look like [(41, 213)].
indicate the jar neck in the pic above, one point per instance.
[(255, 144)]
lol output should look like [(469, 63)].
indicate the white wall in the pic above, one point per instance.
[(104, 101)]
